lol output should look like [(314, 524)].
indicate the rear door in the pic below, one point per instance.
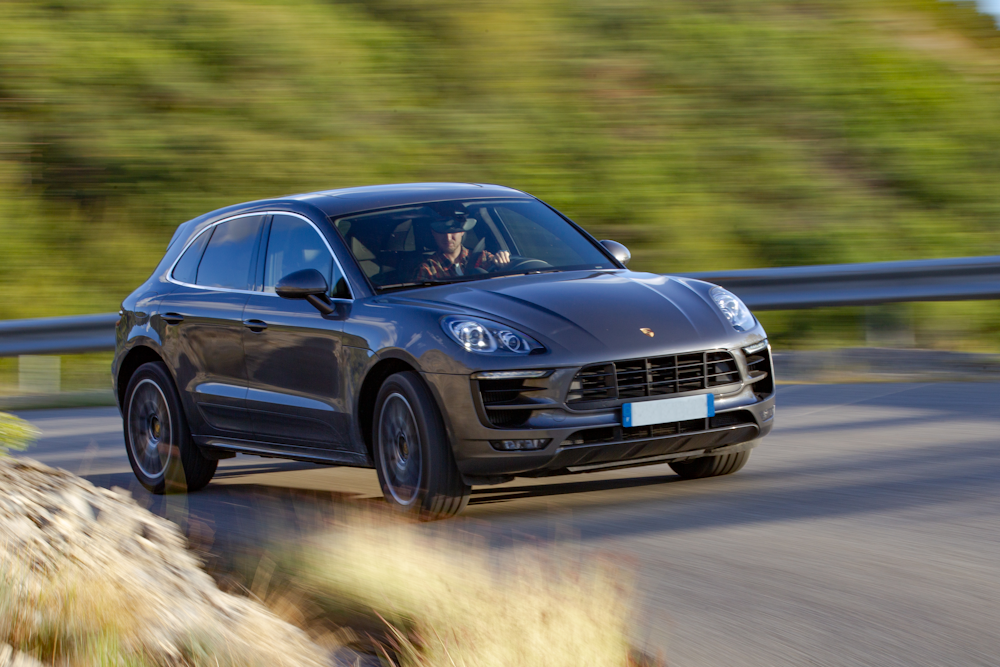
[(202, 325), (293, 353)]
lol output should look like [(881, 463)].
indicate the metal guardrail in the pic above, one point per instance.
[(792, 288), (58, 335), (801, 287)]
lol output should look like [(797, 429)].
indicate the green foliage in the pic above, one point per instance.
[(15, 433), (703, 134)]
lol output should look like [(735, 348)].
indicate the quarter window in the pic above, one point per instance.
[(229, 255), (293, 246), (186, 270)]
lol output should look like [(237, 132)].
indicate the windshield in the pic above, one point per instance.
[(449, 241)]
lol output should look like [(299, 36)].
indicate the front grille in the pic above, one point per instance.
[(653, 376)]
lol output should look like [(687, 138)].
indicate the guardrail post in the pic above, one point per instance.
[(38, 374)]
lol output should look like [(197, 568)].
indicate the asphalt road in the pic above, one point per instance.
[(865, 530)]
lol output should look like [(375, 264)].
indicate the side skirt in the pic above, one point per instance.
[(215, 447)]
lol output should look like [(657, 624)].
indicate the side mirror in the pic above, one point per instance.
[(618, 251), (308, 284)]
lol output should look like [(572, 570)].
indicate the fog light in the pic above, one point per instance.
[(518, 445), (768, 415)]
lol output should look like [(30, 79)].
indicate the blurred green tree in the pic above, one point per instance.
[(703, 134)]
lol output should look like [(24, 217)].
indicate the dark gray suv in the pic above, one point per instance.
[(447, 335)]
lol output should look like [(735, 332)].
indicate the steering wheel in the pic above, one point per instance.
[(521, 263)]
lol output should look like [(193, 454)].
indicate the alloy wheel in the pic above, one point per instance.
[(149, 429), (399, 449)]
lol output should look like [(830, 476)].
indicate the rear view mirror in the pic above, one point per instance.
[(308, 284), (618, 251)]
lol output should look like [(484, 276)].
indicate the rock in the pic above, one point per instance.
[(60, 530), (11, 658)]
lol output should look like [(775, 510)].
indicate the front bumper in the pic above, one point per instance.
[(593, 438)]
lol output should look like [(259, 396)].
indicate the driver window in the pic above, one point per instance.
[(294, 245)]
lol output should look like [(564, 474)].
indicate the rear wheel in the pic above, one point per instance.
[(711, 466), (163, 456), (416, 467)]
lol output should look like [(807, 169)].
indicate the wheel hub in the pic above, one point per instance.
[(402, 451), (154, 429)]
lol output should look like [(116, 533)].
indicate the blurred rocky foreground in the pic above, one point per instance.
[(86, 574), (88, 577)]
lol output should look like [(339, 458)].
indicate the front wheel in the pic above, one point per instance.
[(711, 466), (416, 467), (163, 456)]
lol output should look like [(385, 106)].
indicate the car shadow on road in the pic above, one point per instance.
[(242, 517)]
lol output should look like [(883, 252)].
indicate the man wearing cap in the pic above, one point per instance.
[(453, 258)]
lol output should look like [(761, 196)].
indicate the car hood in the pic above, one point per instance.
[(598, 313)]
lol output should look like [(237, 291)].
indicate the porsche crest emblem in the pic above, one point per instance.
[(648, 332)]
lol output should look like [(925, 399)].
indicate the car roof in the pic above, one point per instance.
[(343, 201)]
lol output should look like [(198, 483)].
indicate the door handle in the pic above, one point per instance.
[(172, 318), (255, 326)]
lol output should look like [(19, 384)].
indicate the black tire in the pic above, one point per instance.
[(711, 466), (164, 458), (418, 478)]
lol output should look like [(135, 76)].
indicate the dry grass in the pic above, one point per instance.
[(68, 617), (450, 604), (75, 617)]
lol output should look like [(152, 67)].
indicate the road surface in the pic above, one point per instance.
[(865, 530)]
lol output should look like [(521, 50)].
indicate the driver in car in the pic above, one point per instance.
[(453, 258)]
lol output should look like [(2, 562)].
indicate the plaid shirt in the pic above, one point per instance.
[(438, 266)]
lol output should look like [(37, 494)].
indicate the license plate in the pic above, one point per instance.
[(668, 410)]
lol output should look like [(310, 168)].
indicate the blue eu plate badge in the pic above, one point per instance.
[(668, 410)]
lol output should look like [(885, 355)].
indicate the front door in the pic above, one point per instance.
[(293, 353)]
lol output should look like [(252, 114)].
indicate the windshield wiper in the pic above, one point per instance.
[(424, 283), (461, 279), (529, 272)]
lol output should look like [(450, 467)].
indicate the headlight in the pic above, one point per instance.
[(485, 336), (735, 310)]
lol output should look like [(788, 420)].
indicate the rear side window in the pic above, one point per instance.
[(186, 270), (294, 245), (229, 255)]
